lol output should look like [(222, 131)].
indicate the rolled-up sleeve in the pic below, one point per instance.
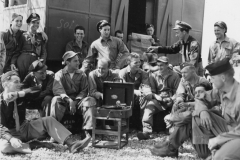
[(92, 85), (58, 89)]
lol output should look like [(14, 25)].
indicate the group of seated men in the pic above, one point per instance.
[(194, 111)]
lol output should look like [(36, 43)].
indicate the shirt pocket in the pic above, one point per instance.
[(227, 51)]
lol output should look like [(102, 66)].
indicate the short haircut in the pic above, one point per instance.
[(80, 28), (104, 61), (6, 80), (118, 31), (207, 86), (134, 55), (229, 73)]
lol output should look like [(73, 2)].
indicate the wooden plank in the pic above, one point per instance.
[(113, 15), (125, 21), (161, 6), (163, 33), (120, 15)]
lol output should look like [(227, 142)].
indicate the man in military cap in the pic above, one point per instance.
[(39, 75), (15, 131), (186, 45), (226, 92), (182, 129), (70, 88), (107, 46), (223, 46), (164, 80)]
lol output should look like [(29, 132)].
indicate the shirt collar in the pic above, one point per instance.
[(225, 39), (74, 43), (65, 71), (109, 39), (231, 95), (108, 75)]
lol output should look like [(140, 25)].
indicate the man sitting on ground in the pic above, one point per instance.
[(15, 130), (39, 75)]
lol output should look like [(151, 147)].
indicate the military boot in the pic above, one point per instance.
[(166, 151)]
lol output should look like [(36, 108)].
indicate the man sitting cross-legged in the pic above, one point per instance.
[(70, 88), (15, 130)]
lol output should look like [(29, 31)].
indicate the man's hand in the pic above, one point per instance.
[(13, 67), (206, 120), (44, 36), (99, 95), (148, 97), (15, 142), (212, 144), (72, 105), (152, 41), (152, 49), (167, 121), (137, 92), (183, 105), (175, 106), (158, 97)]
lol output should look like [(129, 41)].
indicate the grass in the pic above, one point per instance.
[(134, 150)]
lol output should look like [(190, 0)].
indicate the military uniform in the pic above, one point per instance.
[(34, 47), (190, 50), (109, 49), (82, 52)]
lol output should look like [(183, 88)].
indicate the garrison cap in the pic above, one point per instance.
[(219, 67), (15, 15), (182, 25), (221, 24), (186, 64), (67, 55), (8, 74), (149, 25), (33, 17), (37, 66), (163, 59), (101, 24)]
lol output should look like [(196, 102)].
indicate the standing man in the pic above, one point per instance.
[(223, 46), (78, 45), (107, 46), (70, 87), (119, 34), (98, 76), (39, 75), (186, 45), (15, 131), (165, 78)]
